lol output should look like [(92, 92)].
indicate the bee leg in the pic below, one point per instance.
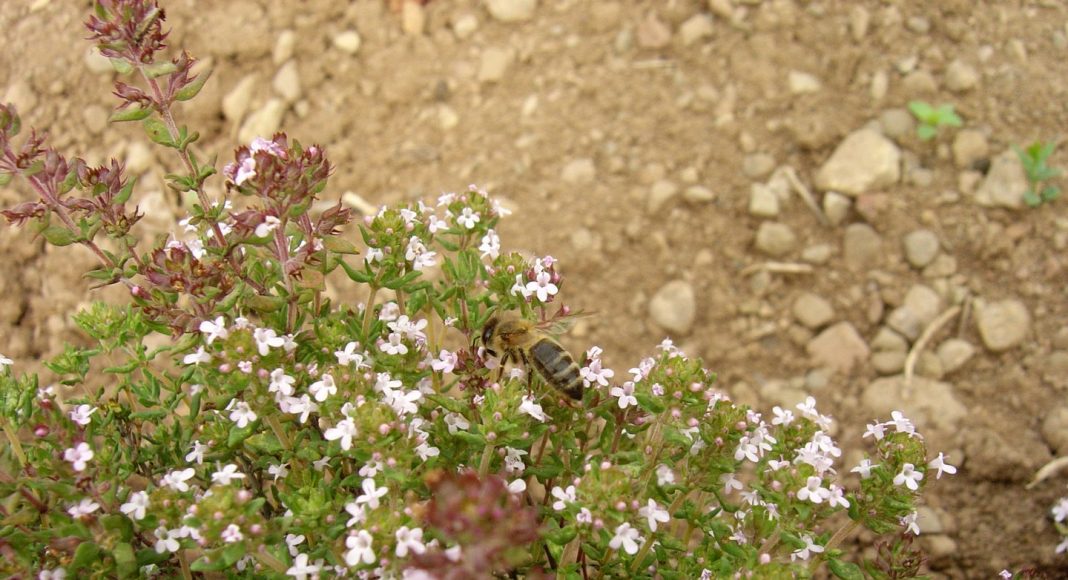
[(530, 375), (504, 360)]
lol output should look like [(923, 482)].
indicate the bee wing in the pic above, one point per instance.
[(563, 324)]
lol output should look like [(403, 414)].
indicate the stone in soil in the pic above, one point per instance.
[(969, 147), (579, 172), (775, 239), (674, 307), (862, 247), (511, 10), (836, 207), (954, 353), (1003, 324), (348, 41), (838, 348), (1055, 430), (763, 202), (1005, 183), (921, 247), (920, 307), (864, 161), (813, 311)]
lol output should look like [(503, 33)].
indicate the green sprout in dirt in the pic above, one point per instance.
[(933, 119), (1034, 159)]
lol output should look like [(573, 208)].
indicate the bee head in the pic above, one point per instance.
[(488, 333)]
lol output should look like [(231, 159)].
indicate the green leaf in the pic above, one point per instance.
[(129, 114), (263, 304), (924, 112), (1051, 193), (448, 403), (5, 178), (126, 191), (926, 132), (84, 556), (158, 133), (191, 90), (339, 245), (237, 435), (649, 403), (357, 275), (121, 66), (845, 570), (119, 524), (1032, 199), (125, 561), (59, 236), (159, 69), (562, 536)]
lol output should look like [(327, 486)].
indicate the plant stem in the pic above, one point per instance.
[(268, 560), (183, 559), (484, 464), (368, 310), (279, 432), (16, 445)]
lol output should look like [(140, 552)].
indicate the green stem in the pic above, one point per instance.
[(836, 539), (368, 312), (16, 445), (279, 432), (268, 560), (487, 455)]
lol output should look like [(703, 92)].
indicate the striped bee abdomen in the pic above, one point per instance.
[(557, 367)]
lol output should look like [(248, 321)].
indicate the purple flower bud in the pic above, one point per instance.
[(391, 462), (244, 496), (41, 430), (621, 505), (256, 529), (225, 368), (491, 436), (218, 516), (606, 465)]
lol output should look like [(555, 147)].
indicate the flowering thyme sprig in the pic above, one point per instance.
[(276, 433)]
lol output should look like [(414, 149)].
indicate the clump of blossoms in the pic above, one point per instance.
[(278, 434)]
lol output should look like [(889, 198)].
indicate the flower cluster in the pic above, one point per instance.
[(276, 433)]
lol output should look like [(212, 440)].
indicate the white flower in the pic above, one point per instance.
[(625, 394), (349, 356), (200, 356), (518, 486), (135, 505), (446, 362), (876, 430), (281, 383), (864, 468), (83, 508), (808, 408), (425, 451), (167, 540), (902, 423), (81, 414), (393, 344), (513, 460), (939, 463), (301, 569), (214, 329), (593, 373), (197, 454), (227, 474), (813, 491), (79, 456), (403, 403), (529, 407), (345, 431), (910, 523), (292, 541), (232, 534), (627, 537), (278, 471), (490, 246), (782, 416), (836, 496), (371, 493), (323, 388), (664, 475), (542, 286), (176, 480), (909, 477), (563, 497), (456, 422), (242, 414), (267, 338), (468, 218), (358, 512), (269, 224), (653, 514), (61, 574), (302, 406), (360, 549), (409, 540), (810, 547), (5, 362), (730, 482), (520, 287)]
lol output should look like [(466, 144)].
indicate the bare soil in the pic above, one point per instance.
[(415, 112)]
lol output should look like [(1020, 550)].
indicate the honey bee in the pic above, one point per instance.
[(523, 341)]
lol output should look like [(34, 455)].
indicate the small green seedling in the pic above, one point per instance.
[(933, 119), (1038, 173)]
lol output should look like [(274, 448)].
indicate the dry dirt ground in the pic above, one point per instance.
[(628, 137)]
